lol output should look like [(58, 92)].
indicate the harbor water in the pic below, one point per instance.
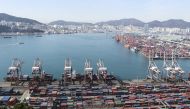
[(54, 49)]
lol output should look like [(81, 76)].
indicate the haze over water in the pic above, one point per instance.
[(54, 49)]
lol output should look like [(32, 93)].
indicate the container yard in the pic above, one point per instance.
[(153, 49), (104, 96), (91, 89), (155, 46)]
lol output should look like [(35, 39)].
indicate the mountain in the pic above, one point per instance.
[(14, 29), (154, 23), (7, 17), (62, 22), (172, 23), (175, 23), (130, 21)]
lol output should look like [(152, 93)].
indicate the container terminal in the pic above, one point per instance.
[(96, 89), (158, 47)]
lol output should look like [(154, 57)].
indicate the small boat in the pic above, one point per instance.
[(39, 36), (133, 49), (7, 37), (21, 43)]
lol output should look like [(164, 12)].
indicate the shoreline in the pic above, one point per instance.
[(32, 34)]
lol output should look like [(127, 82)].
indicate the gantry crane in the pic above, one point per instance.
[(88, 71), (14, 71)]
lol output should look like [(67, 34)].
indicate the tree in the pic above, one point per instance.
[(3, 107), (22, 106)]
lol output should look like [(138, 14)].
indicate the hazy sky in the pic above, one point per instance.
[(97, 10)]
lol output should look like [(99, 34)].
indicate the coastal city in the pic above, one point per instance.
[(101, 54), (64, 27)]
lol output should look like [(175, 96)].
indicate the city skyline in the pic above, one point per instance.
[(46, 11)]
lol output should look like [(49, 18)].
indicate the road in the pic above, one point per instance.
[(25, 95)]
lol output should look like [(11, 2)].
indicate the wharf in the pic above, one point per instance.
[(162, 57), (90, 90)]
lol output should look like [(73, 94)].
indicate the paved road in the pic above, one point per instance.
[(25, 95)]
